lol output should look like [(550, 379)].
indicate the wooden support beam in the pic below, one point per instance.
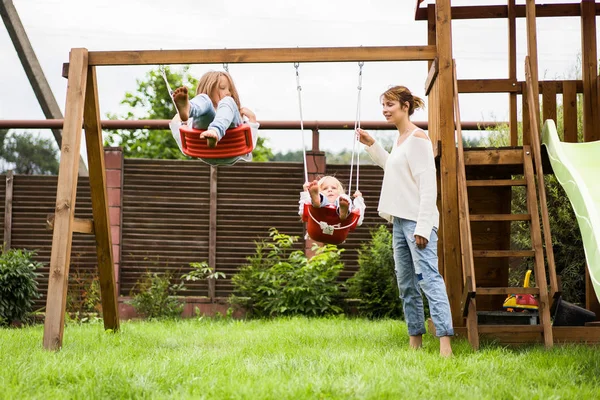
[(8, 200), (433, 72), (541, 187), (532, 53), (269, 55), (79, 225), (99, 195), (212, 230), (536, 239), (589, 73), (500, 11), (66, 191), (507, 290), (512, 72), (448, 162), (34, 71)]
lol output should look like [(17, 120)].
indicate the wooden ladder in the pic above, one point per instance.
[(471, 290)]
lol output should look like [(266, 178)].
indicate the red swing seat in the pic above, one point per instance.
[(236, 142), (338, 229)]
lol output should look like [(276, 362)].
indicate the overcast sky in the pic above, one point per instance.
[(329, 89)]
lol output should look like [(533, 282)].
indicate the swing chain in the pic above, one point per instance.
[(226, 67)]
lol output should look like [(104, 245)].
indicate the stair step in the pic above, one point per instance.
[(506, 290), (500, 217), (503, 253), (509, 328), (493, 156), (497, 182)]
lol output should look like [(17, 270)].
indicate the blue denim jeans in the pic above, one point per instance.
[(416, 271), (204, 116)]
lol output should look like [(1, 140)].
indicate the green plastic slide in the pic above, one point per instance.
[(577, 168)]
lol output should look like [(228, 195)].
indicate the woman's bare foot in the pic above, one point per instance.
[(415, 342), (445, 347), (315, 197), (344, 205), (211, 137), (182, 102)]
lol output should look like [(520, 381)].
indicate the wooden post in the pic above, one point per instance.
[(62, 236), (589, 72), (449, 183), (533, 59), (512, 72), (98, 191), (212, 230), (316, 165), (591, 106), (8, 200)]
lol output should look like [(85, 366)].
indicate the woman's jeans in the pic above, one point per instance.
[(416, 270), (204, 115)]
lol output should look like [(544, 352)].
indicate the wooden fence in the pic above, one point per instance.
[(165, 217)]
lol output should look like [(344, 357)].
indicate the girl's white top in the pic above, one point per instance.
[(409, 188)]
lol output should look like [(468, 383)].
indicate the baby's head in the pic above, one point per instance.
[(218, 84), (331, 187)]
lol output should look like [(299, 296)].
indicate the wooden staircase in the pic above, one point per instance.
[(496, 162)]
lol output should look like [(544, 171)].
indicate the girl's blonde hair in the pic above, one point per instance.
[(403, 95), (209, 81), (333, 178)]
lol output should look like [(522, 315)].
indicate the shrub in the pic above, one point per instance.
[(156, 296), (281, 281), (18, 287), (375, 282), (83, 295)]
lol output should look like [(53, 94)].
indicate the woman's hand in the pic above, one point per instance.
[(357, 194), (246, 112), (421, 242), (364, 137)]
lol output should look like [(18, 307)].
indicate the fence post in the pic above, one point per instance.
[(212, 231), (8, 210), (316, 165)]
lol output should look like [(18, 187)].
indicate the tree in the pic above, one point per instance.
[(151, 100), (30, 155)]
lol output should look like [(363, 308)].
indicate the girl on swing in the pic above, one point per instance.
[(216, 108)]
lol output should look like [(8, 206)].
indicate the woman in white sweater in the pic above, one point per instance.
[(408, 200)]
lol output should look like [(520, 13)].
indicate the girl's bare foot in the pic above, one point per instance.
[(182, 102), (344, 205), (415, 342), (445, 347), (211, 137), (315, 197)]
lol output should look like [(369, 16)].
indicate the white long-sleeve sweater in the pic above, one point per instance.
[(409, 188)]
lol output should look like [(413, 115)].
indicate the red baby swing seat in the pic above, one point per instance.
[(324, 224), (236, 142)]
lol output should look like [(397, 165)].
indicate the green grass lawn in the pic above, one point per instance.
[(283, 358)]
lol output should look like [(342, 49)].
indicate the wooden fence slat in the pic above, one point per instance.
[(570, 112), (548, 102)]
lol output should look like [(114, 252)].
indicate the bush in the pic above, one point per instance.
[(375, 283), (281, 281), (83, 295), (18, 285), (156, 296)]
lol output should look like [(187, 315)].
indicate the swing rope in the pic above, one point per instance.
[(356, 126), (322, 224), (162, 70), (299, 89)]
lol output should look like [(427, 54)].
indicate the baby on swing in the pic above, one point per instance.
[(328, 193)]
